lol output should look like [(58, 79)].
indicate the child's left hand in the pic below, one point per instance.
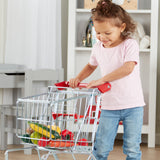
[(95, 83)]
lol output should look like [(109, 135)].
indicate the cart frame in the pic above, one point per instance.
[(67, 109)]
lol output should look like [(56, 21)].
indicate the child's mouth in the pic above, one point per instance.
[(106, 43)]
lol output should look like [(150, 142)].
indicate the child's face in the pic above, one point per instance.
[(108, 33)]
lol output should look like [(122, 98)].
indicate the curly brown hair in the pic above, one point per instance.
[(105, 9)]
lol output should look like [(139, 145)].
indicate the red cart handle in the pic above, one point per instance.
[(102, 88)]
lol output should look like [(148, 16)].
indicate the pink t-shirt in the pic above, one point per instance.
[(127, 91)]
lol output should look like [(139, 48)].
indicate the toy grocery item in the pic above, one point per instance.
[(67, 135), (43, 142), (26, 138), (44, 130), (59, 143), (83, 142), (34, 137)]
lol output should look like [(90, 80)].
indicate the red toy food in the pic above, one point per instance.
[(67, 135), (82, 142), (43, 142)]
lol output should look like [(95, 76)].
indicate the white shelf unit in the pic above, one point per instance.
[(90, 49), (78, 56), (129, 11)]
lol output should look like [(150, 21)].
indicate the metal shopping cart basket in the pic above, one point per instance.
[(60, 121)]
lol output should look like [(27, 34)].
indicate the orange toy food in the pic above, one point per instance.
[(60, 144)]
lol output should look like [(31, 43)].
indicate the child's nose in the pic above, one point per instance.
[(102, 37)]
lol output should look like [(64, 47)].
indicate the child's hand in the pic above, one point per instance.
[(73, 83), (95, 83)]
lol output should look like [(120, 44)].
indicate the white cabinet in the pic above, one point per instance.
[(78, 56)]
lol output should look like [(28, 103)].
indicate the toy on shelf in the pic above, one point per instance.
[(90, 35), (126, 4), (141, 37)]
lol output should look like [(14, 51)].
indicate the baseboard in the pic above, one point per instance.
[(158, 139), (144, 138)]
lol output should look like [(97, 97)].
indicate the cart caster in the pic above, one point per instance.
[(45, 156)]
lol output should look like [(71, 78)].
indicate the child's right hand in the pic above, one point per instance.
[(73, 83)]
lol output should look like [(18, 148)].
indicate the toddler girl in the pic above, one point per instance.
[(117, 55)]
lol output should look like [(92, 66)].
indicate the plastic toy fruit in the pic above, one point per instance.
[(67, 135), (55, 128), (44, 130), (43, 142), (29, 130), (35, 136), (26, 138), (82, 142)]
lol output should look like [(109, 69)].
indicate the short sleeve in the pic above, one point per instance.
[(93, 60), (131, 51)]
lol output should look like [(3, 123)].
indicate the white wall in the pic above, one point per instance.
[(158, 90), (64, 26), (3, 4), (2, 28)]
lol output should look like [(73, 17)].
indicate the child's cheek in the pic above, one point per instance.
[(98, 37)]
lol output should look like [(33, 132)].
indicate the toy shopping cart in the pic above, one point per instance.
[(60, 121)]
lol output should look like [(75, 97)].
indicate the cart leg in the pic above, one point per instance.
[(38, 153), (6, 155), (55, 156), (91, 156), (13, 150), (45, 156), (73, 156)]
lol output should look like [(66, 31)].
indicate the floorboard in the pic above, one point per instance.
[(116, 154)]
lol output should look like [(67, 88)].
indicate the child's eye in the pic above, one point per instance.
[(107, 33)]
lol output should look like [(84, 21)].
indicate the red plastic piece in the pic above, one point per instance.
[(91, 111), (102, 88), (92, 115), (62, 84), (76, 116)]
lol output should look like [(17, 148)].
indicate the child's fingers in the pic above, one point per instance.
[(77, 81), (91, 84), (74, 82), (71, 83)]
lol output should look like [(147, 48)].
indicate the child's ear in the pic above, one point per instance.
[(123, 27)]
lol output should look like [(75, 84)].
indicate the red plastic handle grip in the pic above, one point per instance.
[(102, 88)]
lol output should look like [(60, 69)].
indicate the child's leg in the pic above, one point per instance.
[(106, 134), (133, 121)]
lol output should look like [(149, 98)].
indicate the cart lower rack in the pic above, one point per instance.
[(60, 121)]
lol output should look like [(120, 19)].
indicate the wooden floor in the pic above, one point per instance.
[(116, 154)]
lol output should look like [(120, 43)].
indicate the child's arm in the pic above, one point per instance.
[(121, 72), (86, 71)]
